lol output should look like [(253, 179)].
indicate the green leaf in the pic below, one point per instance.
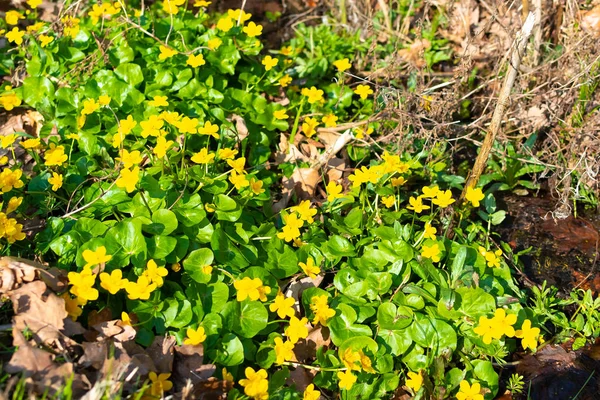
[(253, 319), (227, 209), (163, 222), (178, 313), (395, 318), (484, 372), (475, 302), (126, 243), (342, 326), (160, 246), (194, 262), (340, 247), (130, 73), (38, 92), (434, 334), (229, 351)]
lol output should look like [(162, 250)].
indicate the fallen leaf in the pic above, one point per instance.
[(303, 182), (413, 54), (240, 127), (161, 351), (98, 317), (114, 330), (590, 21), (301, 378), (27, 359), (189, 365)]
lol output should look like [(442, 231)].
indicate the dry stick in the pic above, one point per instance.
[(525, 9), (537, 35), (513, 67)]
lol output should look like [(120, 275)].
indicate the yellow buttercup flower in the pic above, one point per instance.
[(45, 40), (347, 379), (297, 329), (195, 61), (363, 91), (469, 392), (252, 29), (214, 43), (269, 62), (313, 94), (209, 129), (432, 252), (12, 17), (283, 306), (256, 384), (330, 120), (284, 351), (309, 268), (95, 257), (225, 24), (388, 201), (285, 80), (56, 181), (159, 101), (195, 336), (334, 191), (128, 179), (342, 65), (414, 381), (166, 52), (474, 195), (203, 157), (309, 126)]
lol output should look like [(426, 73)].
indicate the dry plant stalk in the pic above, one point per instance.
[(516, 54)]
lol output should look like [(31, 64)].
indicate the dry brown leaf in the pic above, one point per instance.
[(161, 351), (95, 354), (328, 138), (189, 365), (95, 317), (114, 330), (296, 287), (16, 271), (413, 54), (336, 167), (306, 349), (303, 182), (27, 359), (240, 127), (301, 378), (211, 389), (590, 21)]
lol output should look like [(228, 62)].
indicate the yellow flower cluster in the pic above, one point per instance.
[(319, 306), (491, 257), (9, 101), (441, 198), (353, 361), (9, 228), (103, 11), (253, 289), (256, 384), (10, 179), (294, 221), (497, 327)]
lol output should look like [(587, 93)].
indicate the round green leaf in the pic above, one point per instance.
[(164, 222), (195, 261), (253, 319)]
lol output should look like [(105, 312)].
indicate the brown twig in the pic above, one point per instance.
[(513, 67)]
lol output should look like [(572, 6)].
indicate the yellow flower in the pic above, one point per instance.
[(72, 136), (154, 273), (195, 336), (13, 204), (237, 165), (304, 211), (310, 393), (113, 282), (207, 269), (364, 175), (129, 159), (503, 323), (309, 126), (126, 125), (429, 192), (125, 319), (203, 157), (95, 257), (398, 181), (70, 26), (202, 3), (493, 258), (313, 94), (226, 154), (417, 204), (3, 160), (209, 129), (128, 179), (172, 6), (9, 101), (285, 80), (188, 125), (347, 379), (239, 15), (252, 30), (309, 268), (360, 133), (429, 231), (443, 199), (239, 181), (433, 252), (269, 62), (166, 52), (104, 100), (162, 146), (247, 288), (71, 306), (30, 144), (330, 120), (414, 381), (8, 140), (225, 24), (363, 91), (89, 106), (56, 181), (284, 351), (468, 392), (159, 101), (256, 186), (485, 330), (15, 36), (388, 201), (12, 17), (83, 283), (286, 50), (55, 155), (528, 335), (334, 191), (342, 64), (297, 329), (256, 384), (319, 306), (227, 376), (283, 306), (159, 383), (34, 3), (45, 40), (214, 43), (141, 289), (474, 195), (195, 61), (10, 179)]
